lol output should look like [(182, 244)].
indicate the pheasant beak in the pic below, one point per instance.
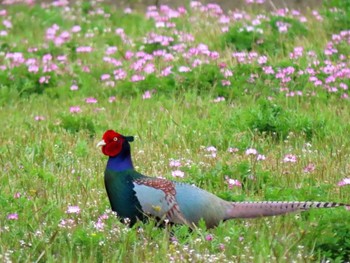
[(101, 143)]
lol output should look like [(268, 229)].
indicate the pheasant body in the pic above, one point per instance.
[(136, 196)]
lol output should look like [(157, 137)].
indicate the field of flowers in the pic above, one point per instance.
[(247, 104)]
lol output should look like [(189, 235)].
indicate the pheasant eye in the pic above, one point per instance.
[(115, 139)]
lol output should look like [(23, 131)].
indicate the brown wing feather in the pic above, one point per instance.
[(174, 213)]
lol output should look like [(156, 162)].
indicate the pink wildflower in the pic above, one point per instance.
[(73, 209), (282, 26), (99, 225), (209, 237), (260, 157), (44, 79), (268, 70), (113, 61), (85, 69), (119, 74), (33, 68), (251, 151), (74, 109), (226, 72), (149, 68), (167, 71), (58, 41), (262, 60), (111, 50), (68, 223), (127, 10), (184, 69), (103, 217), (39, 118), (168, 57), (7, 23), (225, 82), (147, 95), (178, 173), (84, 49), (232, 182), (3, 12), (13, 216), (111, 99), (174, 163), (74, 87), (219, 99), (128, 55), (91, 100), (290, 158), (222, 65), (76, 29), (345, 181), (174, 240), (137, 78), (119, 31), (309, 168), (105, 77), (232, 150), (211, 149)]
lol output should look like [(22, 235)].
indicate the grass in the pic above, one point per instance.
[(49, 160)]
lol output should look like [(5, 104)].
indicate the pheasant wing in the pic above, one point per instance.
[(157, 198)]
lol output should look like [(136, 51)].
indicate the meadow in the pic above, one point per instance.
[(247, 104)]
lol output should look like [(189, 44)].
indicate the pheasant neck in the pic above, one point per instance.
[(118, 164), (122, 161)]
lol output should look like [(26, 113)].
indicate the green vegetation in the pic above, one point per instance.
[(178, 89)]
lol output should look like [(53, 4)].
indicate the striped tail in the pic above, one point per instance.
[(271, 208)]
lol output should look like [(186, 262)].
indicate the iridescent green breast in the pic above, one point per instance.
[(121, 194)]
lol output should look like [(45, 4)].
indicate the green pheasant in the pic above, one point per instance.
[(136, 197)]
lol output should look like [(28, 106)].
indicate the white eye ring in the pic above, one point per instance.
[(115, 139)]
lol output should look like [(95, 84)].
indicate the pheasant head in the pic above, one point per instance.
[(112, 143)]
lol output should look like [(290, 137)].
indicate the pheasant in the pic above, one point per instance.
[(134, 196)]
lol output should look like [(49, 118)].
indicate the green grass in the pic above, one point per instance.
[(54, 163), (38, 160)]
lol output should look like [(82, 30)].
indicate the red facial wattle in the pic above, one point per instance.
[(113, 143)]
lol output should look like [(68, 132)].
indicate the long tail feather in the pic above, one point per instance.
[(271, 208)]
